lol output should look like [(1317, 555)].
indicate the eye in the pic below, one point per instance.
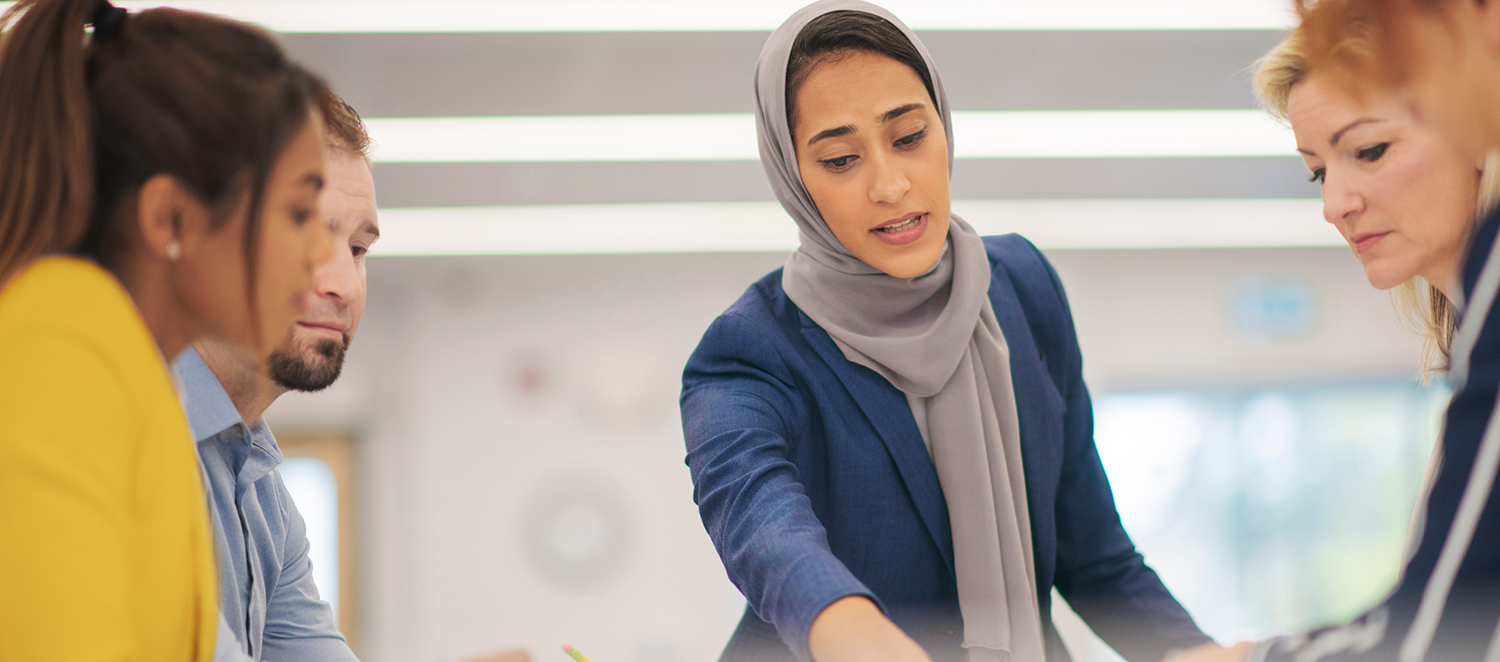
[(1318, 175), (358, 251), (912, 140), (301, 215), (1372, 153), (838, 163)]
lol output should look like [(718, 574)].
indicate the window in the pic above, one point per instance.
[(1270, 510), (318, 473)]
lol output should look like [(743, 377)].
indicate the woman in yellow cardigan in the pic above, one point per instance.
[(158, 184)]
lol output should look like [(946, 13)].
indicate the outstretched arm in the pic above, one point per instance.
[(740, 412)]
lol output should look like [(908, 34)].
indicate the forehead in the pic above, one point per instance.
[(350, 175), (858, 83), (1317, 105)]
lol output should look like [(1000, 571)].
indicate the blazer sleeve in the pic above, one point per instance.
[(740, 414), (1099, 571)]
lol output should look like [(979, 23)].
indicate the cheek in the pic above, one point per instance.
[(230, 296), (356, 310), (277, 256), (837, 199), (1430, 199), (926, 169), (931, 178), (281, 269), (1409, 182), (215, 286)]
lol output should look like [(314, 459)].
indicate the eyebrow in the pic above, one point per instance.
[(897, 112), (313, 179), (849, 128), (833, 133), (1338, 135)]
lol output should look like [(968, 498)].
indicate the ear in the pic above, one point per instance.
[(172, 221)]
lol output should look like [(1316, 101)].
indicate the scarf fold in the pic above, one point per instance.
[(935, 337)]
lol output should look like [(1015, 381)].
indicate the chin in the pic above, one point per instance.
[(911, 261), (1381, 279), (909, 266)]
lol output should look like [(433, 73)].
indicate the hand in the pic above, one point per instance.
[(1212, 652), (512, 655), (853, 629)]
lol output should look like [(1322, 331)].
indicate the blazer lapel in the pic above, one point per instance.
[(887, 410)]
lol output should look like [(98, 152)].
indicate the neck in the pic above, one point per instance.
[(243, 377), (1445, 279), (147, 283)]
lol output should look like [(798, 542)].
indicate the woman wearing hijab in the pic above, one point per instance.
[(890, 438)]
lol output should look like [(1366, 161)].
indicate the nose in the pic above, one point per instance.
[(888, 183), (1342, 200)]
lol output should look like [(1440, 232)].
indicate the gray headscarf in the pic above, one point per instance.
[(935, 337)]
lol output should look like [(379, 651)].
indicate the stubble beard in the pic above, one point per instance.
[(309, 368)]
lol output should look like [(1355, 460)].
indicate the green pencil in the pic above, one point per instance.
[(574, 653)]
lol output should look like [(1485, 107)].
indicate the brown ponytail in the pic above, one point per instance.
[(46, 146), (85, 121)]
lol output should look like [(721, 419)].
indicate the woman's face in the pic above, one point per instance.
[(1402, 199), (293, 241), (1452, 70), (874, 157)]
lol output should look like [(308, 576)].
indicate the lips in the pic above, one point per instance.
[(903, 230), (331, 330), (1364, 241), (331, 326), (901, 225)]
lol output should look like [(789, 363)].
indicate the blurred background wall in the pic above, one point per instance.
[(520, 462), (514, 469)]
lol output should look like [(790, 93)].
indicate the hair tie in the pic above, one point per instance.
[(106, 18)]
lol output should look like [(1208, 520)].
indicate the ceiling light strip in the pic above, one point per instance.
[(438, 16), (763, 226), (731, 137)]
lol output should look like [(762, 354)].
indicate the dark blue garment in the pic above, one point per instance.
[(1447, 604), (814, 483)]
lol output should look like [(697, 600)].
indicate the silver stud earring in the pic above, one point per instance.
[(174, 251)]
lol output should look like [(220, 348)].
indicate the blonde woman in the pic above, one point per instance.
[(1409, 205), (1401, 197)]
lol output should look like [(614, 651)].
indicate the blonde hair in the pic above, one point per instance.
[(1425, 307)]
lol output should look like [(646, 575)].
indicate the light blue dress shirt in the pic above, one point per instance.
[(267, 597)]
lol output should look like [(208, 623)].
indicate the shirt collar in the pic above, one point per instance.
[(209, 409)]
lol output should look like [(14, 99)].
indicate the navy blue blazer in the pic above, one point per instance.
[(814, 483)]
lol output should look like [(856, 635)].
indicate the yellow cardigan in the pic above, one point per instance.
[(105, 551)]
